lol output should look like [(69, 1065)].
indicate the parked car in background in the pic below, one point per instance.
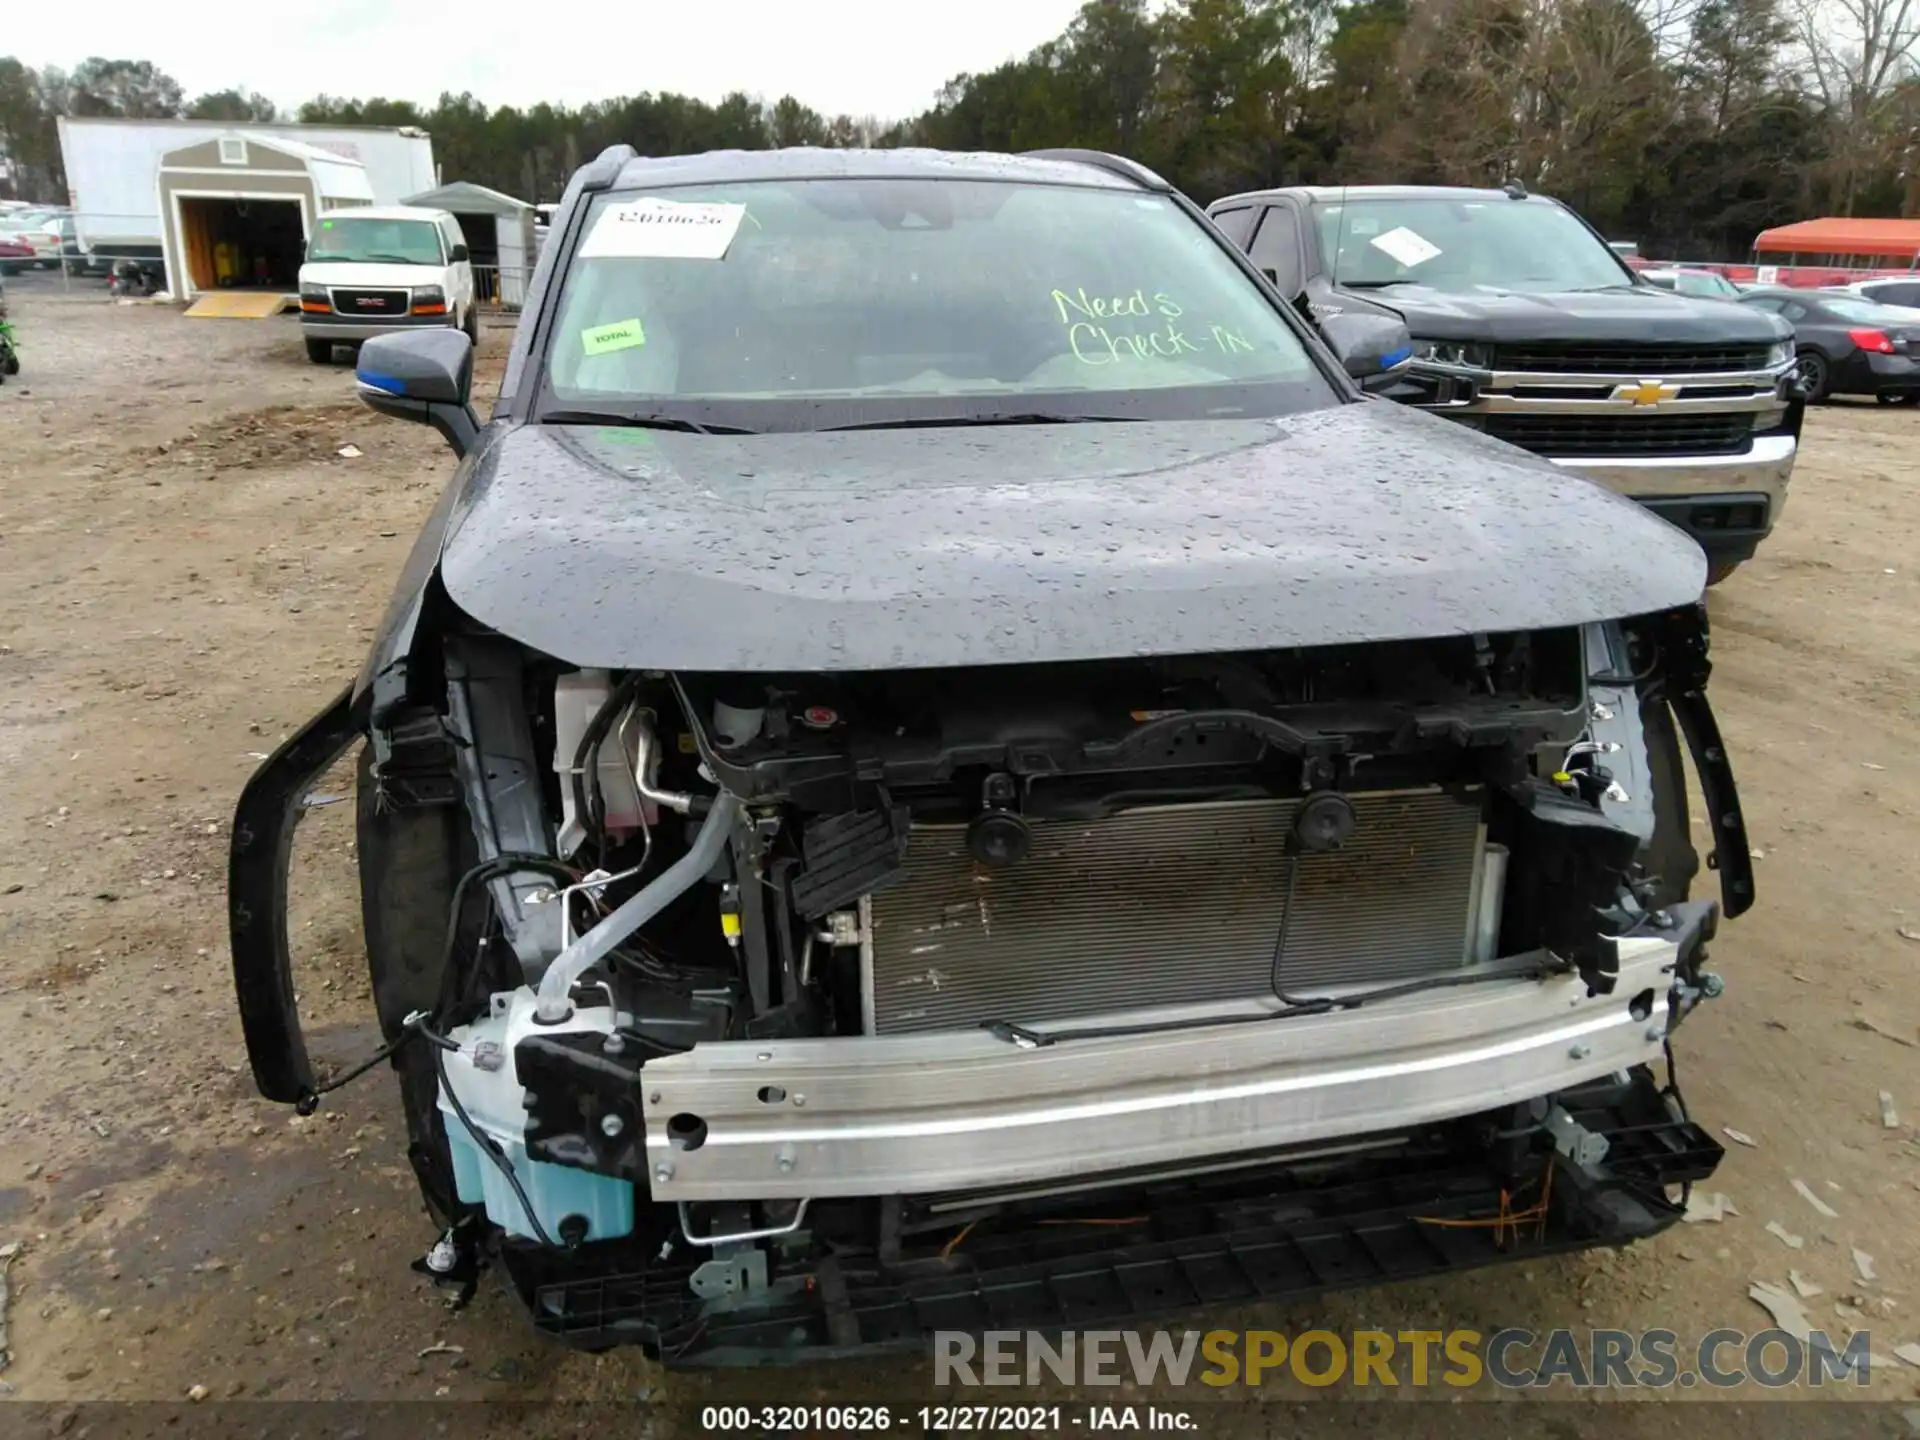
[(1683, 280), (15, 254), (378, 270), (1844, 345), (1528, 327), (39, 230), (1885, 291)]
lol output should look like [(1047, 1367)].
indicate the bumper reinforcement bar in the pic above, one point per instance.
[(909, 1114)]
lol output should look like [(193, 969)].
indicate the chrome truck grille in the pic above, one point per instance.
[(1168, 906)]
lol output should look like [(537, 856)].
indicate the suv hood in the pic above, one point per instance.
[(1641, 313), (902, 549)]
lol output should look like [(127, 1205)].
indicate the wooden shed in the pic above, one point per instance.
[(235, 211)]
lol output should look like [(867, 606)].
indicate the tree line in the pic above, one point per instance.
[(1688, 125)]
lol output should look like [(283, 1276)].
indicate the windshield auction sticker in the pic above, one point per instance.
[(1407, 246), (620, 335), (663, 229)]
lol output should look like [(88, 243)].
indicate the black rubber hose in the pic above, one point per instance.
[(500, 864), (1293, 1002), (1519, 967), (507, 864)]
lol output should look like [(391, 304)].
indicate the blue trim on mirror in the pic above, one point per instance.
[(374, 380)]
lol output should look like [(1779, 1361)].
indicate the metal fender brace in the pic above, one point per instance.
[(1682, 639)]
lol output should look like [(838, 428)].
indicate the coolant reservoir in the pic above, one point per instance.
[(577, 698)]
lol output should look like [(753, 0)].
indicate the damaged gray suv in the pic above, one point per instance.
[(941, 763)]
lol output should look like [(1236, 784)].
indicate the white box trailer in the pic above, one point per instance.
[(113, 169)]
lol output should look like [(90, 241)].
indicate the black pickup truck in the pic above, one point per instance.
[(1528, 327)]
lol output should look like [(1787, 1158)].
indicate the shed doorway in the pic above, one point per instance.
[(483, 249), (236, 243)]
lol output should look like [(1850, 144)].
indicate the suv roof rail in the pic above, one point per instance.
[(1113, 164), (600, 172)]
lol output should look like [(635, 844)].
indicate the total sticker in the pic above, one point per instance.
[(620, 335), (651, 228)]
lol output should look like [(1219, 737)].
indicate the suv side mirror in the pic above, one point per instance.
[(425, 377), (459, 253), (1371, 348)]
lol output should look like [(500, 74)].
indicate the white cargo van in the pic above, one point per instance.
[(376, 270)]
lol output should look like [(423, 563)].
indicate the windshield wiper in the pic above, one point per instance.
[(1369, 284), (1034, 417), (638, 422)]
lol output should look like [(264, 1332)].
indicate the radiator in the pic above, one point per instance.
[(1169, 905)]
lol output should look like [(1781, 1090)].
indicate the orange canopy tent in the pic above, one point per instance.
[(1841, 235)]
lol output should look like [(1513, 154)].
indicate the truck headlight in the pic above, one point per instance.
[(1780, 354), (429, 300), (315, 299), (1463, 354)]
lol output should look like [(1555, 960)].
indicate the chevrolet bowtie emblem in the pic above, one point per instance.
[(1645, 392)]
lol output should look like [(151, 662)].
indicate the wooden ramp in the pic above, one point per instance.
[(239, 305)]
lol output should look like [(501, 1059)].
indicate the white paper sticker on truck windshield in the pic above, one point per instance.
[(1406, 246), (663, 229)]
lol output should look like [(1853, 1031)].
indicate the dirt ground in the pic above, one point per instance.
[(189, 566)]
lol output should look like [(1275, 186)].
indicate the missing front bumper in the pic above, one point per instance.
[(912, 1114), (1276, 1234)]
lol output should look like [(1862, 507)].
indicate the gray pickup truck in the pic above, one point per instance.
[(1528, 327)]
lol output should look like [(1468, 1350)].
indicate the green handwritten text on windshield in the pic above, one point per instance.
[(1114, 329)]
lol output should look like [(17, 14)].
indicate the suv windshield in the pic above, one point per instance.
[(810, 303), (368, 239), (1458, 243)]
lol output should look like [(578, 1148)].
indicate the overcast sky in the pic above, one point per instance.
[(880, 57)]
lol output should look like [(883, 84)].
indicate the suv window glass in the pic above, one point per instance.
[(1456, 243), (898, 292), (368, 239), (1237, 224)]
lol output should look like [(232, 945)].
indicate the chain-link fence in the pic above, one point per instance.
[(501, 287), (79, 245)]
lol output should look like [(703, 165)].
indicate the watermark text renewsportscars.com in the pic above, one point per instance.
[(1509, 1358)]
